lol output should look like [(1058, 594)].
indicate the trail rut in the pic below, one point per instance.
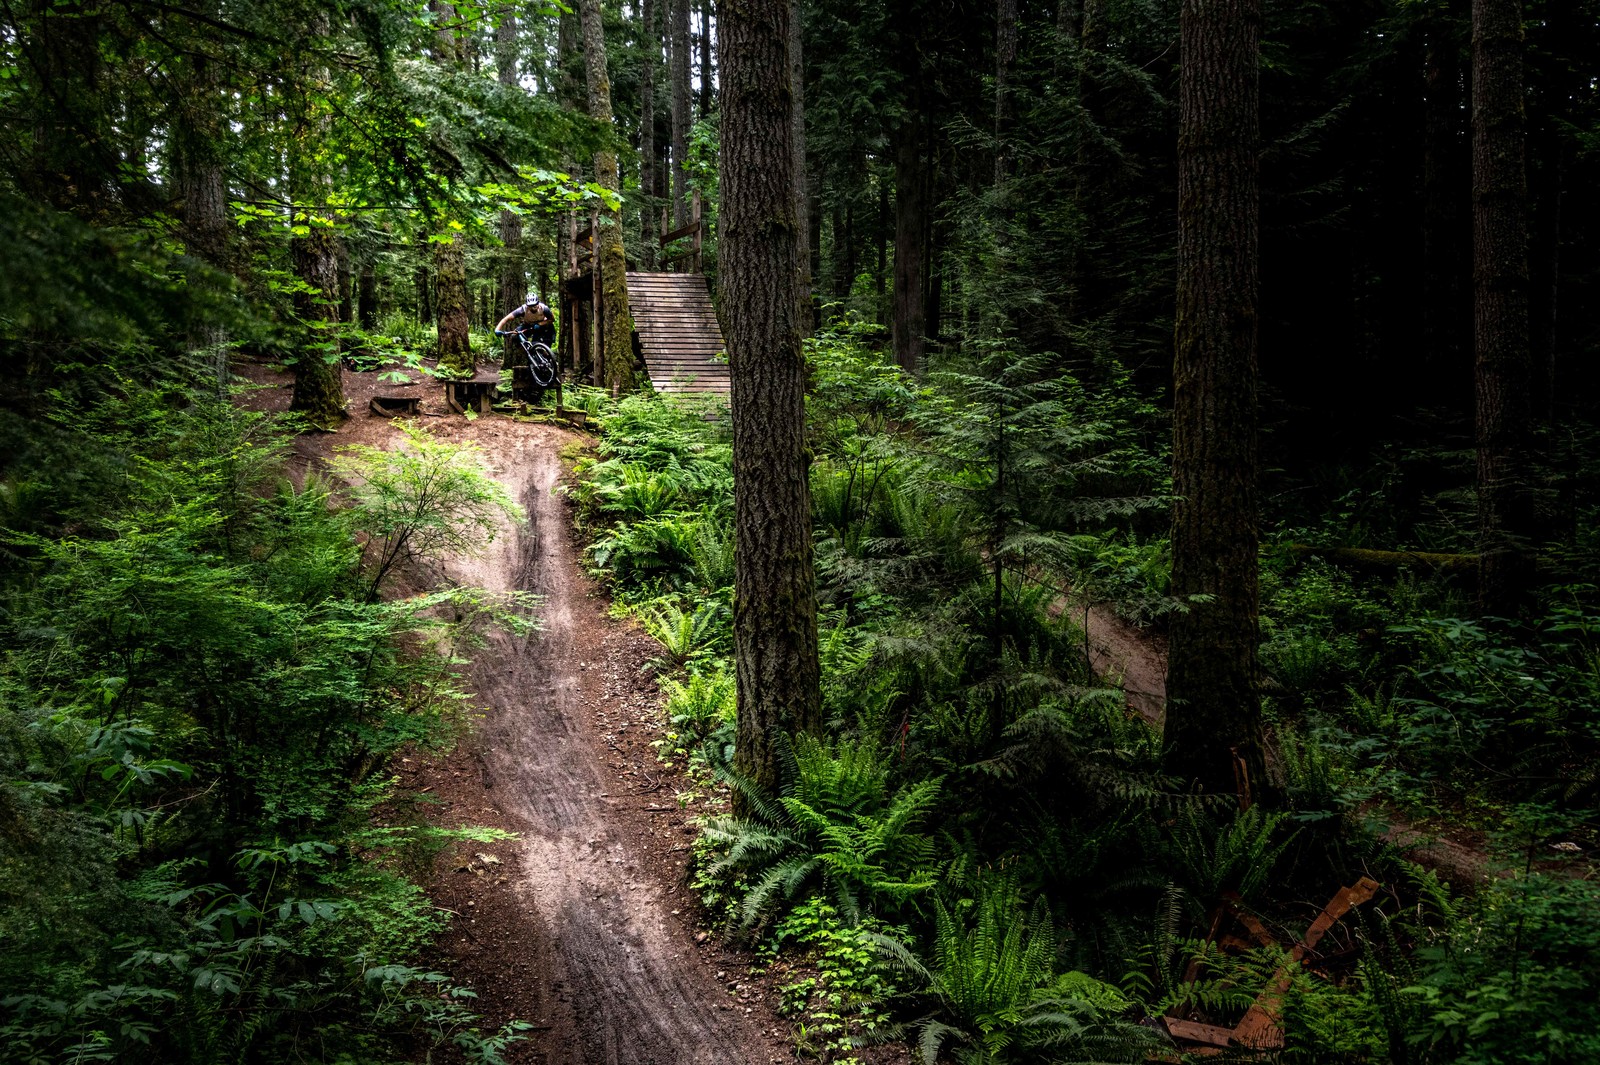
[(623, 982)]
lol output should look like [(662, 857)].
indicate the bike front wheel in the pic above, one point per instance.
[(542, 365)]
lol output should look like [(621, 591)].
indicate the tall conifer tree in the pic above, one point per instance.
[(1500, 326), (775, 606), (610, 258), (1213, 705)]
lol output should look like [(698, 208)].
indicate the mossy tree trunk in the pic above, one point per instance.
[(617, 355), (1213, 725), (318, 374), (451, 303), (202, 189), (774, 604)]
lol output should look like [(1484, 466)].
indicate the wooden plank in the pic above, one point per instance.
[(681, 231), (1194, 1032), (1259, 1028)]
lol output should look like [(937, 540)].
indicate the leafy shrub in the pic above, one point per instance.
[(197, 697), (699, 706), (649, 555), (1518, 981), (846, 1003), (836, 827), (992, 974), (423, 501), (685, 636)]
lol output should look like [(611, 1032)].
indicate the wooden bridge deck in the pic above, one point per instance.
[(678, 332)]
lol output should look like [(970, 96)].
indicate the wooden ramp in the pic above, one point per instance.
[(678, 332)]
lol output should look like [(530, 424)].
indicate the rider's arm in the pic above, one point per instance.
[(505, 321)]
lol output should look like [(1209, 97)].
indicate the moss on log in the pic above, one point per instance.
[(1369, 558)]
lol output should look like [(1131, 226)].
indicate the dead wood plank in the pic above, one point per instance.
[(1260, 1026), (1195, 1032)]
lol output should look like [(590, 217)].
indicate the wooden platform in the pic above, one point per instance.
[(678, 332)]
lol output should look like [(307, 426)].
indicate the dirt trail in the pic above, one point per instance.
[(622, 979), (581, 926)]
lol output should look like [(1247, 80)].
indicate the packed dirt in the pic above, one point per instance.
[(581, 926)]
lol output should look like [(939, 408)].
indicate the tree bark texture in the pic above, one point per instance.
[(1213, 724), (775, 606), (451, 303), (513, 278), (1445, 186), (367, 297), (318, 373), (202, 192), (1005, 47), (707, 77), (617, 327), (1504, 360), (910, 237), (678, 31), (650, 47), (567, 96), (797, 132)]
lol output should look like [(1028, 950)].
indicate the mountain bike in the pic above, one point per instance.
[(538, 358)]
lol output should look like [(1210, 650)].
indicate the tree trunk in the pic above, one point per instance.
[(1500, 272), (1445, 185), (797, 135), (202, 192), (1213, 725), (881, 278), (650, 46), (452, 308), (452, 305), (367, 297), (678, 31), (706, 71), (617, 327), (1005, 48), (567, 96), (910, 235), (775, 607), (318, 373), (424, 295), (513, 278)]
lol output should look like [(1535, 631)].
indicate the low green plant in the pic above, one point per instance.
[(423, 501), (699, 705), (846, 1001), (999, 998), (686, 636), (1518, 980), (837, 827)]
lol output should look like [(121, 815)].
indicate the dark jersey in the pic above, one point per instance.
[(535, 313)]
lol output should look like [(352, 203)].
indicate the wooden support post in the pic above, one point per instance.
[(699, 229)]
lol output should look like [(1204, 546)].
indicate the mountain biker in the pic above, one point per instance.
[(533, 318)]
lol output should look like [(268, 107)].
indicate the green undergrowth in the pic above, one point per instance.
[(204, 677), (979, 855)]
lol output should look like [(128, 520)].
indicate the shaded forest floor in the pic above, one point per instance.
[(582, 925), (1136, 660)]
